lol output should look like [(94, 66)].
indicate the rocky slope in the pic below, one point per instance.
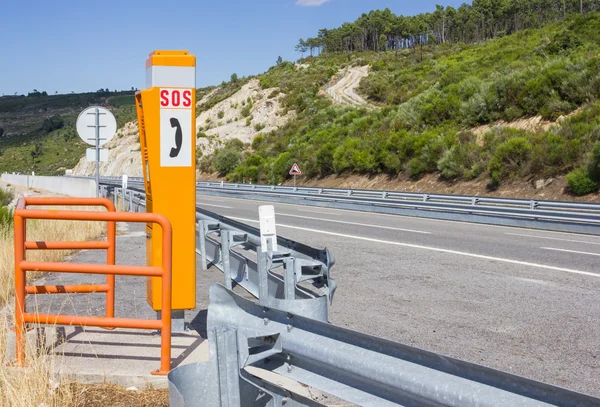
[(250, 111), (124, 155), (245, 114)]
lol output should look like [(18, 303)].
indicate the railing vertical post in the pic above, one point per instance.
[(20, 277), (225, 258), (202, 243), (263, 278), (110, 260), (289, 280), (165, 333)]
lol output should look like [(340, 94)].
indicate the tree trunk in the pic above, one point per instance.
[(443, 29)]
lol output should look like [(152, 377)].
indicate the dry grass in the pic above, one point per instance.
[(110, 395), (34, 386)]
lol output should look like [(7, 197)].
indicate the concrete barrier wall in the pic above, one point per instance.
[(61, 185)]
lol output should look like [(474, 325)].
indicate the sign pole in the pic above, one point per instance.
[(97, 152), (294, 179)]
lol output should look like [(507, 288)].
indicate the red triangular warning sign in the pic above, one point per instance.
[(295, 170)]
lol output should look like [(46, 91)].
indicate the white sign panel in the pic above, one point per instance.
[(90, 154), (176, 131), (268, 231), (124, 182), (86, 125)]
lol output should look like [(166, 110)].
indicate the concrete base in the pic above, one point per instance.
[(125, 357)]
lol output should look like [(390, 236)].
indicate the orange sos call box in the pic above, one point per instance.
[(167, 123)]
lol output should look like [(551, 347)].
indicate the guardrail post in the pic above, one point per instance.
[(201, 244), (532, 205), (263, 278), (289, 280), (228, 366), (425, 198), (225, 258)]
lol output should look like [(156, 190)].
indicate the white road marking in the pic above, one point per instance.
[(569, 251), (552, 238), (216, 206), (355, 223), (436, 249), (320, 212)]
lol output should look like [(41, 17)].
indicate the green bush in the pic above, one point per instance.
[(6, 216), (245, 111), (580, 183), (6, 197), (451, 163), (221, 114), (509, 157), (226, 160), (258, 142), (416, 167)]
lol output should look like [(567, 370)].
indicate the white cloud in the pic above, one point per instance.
[(310, 3)]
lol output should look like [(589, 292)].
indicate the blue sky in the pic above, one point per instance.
[(78, 45)]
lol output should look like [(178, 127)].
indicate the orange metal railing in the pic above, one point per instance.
[(22, 265)]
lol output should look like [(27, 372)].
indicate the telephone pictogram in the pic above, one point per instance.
[(178, 138)]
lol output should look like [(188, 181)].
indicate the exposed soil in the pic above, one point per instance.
[(343, 91)]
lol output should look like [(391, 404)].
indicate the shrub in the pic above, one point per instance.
[(258, 142), (6, 197), (246, 111), (53, 123), (509, 156), (450, 165), (6, 216), (226, 160), (221, 114), (580, 183), (259, 126), (235, 144), (280, 168), (416, 167)]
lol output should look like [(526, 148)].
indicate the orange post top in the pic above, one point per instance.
[(171, 58)]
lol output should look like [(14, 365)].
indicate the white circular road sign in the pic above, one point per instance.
[(92, 117)]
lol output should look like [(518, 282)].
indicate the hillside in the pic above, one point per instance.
[(37, 131), (428, 108)]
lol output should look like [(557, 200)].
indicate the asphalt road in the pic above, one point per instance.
[(523, 301)]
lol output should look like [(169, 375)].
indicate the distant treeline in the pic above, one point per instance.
[(381, 30)]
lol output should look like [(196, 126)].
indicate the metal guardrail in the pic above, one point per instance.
[(250, 342), (548, 215), (296, 278), (254, 346)]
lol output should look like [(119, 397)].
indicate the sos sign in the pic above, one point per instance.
[(175, 98)]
